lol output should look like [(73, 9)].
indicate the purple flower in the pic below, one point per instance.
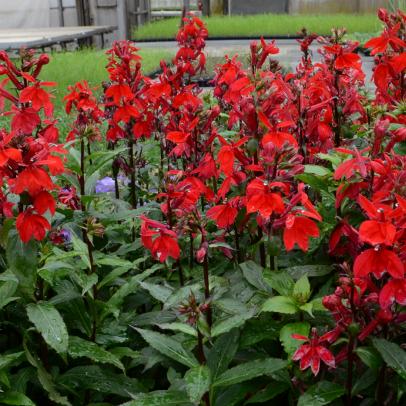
[(60, 236), (105, 185)]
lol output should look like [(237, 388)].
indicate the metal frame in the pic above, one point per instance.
[(59, 39)]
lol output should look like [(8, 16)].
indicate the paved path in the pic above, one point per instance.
[(288, 56)]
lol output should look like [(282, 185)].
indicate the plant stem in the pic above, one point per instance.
[(237, 244), (86, 239), (133, 196), (190, 250), (207, 289), (350, 366), (381, 396), (262, 254), (202, 361)]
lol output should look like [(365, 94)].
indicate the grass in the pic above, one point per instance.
[(265, 24), (67, 68)]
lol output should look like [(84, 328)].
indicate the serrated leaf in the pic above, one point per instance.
[(168, 346), (197, 382), (392, 354), (280, 304), (78, 347), (308, 308), (22, 260), (222, 353), (289, 343), (249, 370), (50, 324), (158, 292), (321, 394), (282, 282), (253, 273), (301, 290), (160, 398), (228, 324)]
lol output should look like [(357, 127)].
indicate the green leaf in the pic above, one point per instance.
[(297, 272), (253, 273), (308, 308), (158, 292), (7, 288), (22, 260), (160, 398), (181, 327), (249, 370), (169, 347), (367, 379), (101, 380), (228, 324), (197, 382), (78, 347), (392, 354), (130, 287), (317, 170), (333, 158), (50, 324), (15, 398), (282, 282), (289, 343), (321, 394), (80, 249), (370, 357), (269, 392), (280, 304), (8, 359), (222, 353), (301, 290), (45, 379)]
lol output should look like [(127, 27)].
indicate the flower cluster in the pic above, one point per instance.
[(29, 151)]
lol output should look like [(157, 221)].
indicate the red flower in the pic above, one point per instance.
[(223, 214), (388, 37), (393, 291), (38, 97), (377, 262), (33, 180), (31, 225), (298, 230), (44, 201), (226, 159), (377, 232), (279, 139), (119, 92), (312, 353), (262, 200), (25, 120), (347, 60), (159, 239)]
